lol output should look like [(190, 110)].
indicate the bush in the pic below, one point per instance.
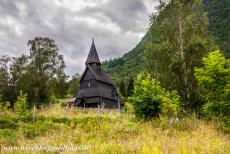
[(5, 110), (150, 99), (171, 104), (128, 107), (7, 123), (146, 97), (214, 79)]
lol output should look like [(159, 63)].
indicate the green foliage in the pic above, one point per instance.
[(129, 65), (40, 74), (53, 126), (40, 128), (6, 115), (214, 79), (7, 123), (171, 105), (21, 106), (123, 88), (160, 44), (8, 136), (150, 99), (74, 84), (5, 109), (5, 87), (182, 40), (130, 87), (146, 97), (61, 87), (218, 13), (128, 107)]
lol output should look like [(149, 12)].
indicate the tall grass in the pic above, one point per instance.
[(114, 132)]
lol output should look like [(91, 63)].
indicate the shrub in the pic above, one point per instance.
[(128, 107), (146, 97), (7, 123), (150, 99), (5, 110), (171, 104)]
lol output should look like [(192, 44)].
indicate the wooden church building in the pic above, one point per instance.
[(96, 89)]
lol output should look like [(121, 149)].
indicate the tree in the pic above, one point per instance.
[(45, 66), (130, 87), (61, 87), (16, 69), (40, 74), (179, 39), (4, 77), (122, 88), (218, 13), (214, 79), (21, 106), (74, 84)]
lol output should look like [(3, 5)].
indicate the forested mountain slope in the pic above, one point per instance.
[(219, 22), (131, 63)]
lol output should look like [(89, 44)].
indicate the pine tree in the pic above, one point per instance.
[(21, 106)]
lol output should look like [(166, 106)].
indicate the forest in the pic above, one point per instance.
[(175, 84)]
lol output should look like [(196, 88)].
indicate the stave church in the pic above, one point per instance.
[(96, 88)]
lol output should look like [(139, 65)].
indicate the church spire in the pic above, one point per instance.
[(93, 56)]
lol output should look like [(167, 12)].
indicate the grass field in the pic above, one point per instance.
[(113, 132)]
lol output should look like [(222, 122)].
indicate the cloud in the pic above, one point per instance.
[(116, 25)]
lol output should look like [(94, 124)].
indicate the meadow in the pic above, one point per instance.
[(110, 131)]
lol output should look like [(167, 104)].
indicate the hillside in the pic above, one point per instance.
[(131, 63), (219, 19)]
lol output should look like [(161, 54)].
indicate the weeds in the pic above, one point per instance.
[(119, 132)]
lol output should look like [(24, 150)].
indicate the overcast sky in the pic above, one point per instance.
[(116, 25)]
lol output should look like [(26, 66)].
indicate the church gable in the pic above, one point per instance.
[(87, 75)]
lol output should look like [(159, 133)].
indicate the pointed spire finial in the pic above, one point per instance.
[(92, 56)]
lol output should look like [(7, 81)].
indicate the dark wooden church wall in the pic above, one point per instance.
[(85, 83), (105, 85), (106, 90), (107, 103)]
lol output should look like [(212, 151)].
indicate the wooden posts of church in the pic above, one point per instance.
[(119, 105), (98, 107)]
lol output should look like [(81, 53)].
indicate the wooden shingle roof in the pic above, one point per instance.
[(100, 75), (92, 56)]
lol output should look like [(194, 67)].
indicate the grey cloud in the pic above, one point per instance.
[(117, 26)]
